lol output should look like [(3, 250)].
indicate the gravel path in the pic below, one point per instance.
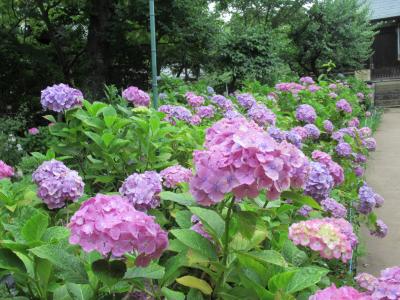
[(383, 175)]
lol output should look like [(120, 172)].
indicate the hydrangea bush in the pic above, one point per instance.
[(255, 195)]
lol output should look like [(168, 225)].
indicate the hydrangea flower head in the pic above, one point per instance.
[(33, 131), (195, 120), (240, 157), (232, 114), (109, 224), (210, 90), (142, 190), (136, 96), (343, 149), (333, 207), (312, 131), (246, 100), (364, 132), (328, 126), (366, 281), (307, 80), (378, 200), (292, 87), (306, 113), (335, 169), (358, 171), (222, 102), (313, 88), (260, 114), (205, 111), (369, 144), (387, 286), (60, 97), (344, 106), (360, 96), (319, 183), (333, 95), (367, 201), (304, 210), (194, 100), (5, 170), (174, 175), (300, 131), (57, 184), (332, 86), (176, 112), (332, 238), (355, 122), (277, 134), (343, 293), (380, 230)]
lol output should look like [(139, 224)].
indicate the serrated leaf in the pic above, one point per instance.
[(185, 199), (304, 278), (55, 233), (172, 295), (211, 219), (109, 272), (196, 283), (79, 291), (153, 271), (269, 257), (196, 242), (35, 227)]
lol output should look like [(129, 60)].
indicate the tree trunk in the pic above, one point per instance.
[(98, 45)]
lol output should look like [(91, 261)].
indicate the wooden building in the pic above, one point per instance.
[(385, 62)]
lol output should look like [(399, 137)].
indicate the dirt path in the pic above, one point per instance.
[(383, 175)]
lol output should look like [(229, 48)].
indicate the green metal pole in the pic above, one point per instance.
[(153, 55)]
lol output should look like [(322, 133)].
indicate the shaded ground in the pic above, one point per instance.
[(383, 175)]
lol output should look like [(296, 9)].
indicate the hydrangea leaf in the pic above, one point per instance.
[(211, 219), (197, 283), (172, 295)]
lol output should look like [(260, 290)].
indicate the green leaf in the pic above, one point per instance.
[(153, 271), (194, 295), (280, 281), (301, 199), (196, 242), (10, 261), (55, 233), (211, 219), (79, 291), (107, 138), (70, 267), (185, 199), (247, 222), (61, 293), (94, 137), (293, 254), (269, 257), (35, 227), (196, 283), (304, 278), (182, 217), (110, 115), (50, 118), (261, 292), (172, 295), (43, 271), (109, 272)]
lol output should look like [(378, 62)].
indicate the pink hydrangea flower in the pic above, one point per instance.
[(5, 170), (57, 184), (194, 100), (110, 225), (195, 120), (385, 287), (136, 96), (331, 237), (343, 293), (142, 190), (33, 131), (366, 281), (313, 88), (174, 175), (332, 86), (240, 157), (307, 80)]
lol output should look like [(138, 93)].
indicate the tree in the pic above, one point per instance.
[(332, 30)]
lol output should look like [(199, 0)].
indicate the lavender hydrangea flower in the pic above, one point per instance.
[(313, 88), (378, 200), (222, 102), (332, 86), (367, 201), (358, 171), (388, 285), (232, 114), (60, 97), (142, 190), (136, 96), (306, 113), (360, 158), (174, 175), (307, 80), (342, 293), (355, 122), (319, 182), (205, 111), (366, 281), (294, 138), (176, 112), (332, 95), (369, 144), (312, 131), (260, 114), (360, 96), (246, 100), (110, 225), (328, 126), (333, 207), (343, 105), (57, 184), (380, 230), (162, 96), (343, 149), (277, 134), (210, 90), (304, 211)]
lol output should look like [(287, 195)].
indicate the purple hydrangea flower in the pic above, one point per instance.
[(378, 200), (162, 96), (304, 211), (205, 111), (343, 149), (195, 120), (176, 112), (312, 131), (232, 114), (307, 80), (313, 88), (110, 225), (388, 285), (332, 86), (319, 183), (360, 96), (210, 90), (306, 113), (57, 184), (343, 105), (342, 293), (277, 134), (260, 114), (328, 126), (294, 138), (333, 207), (60, 97), (355, 122), (194, 100), (367, 201), (369, 144), (332, 95), (358, 171), (360, 158), (142, 190), (174, 175), (222, 102), (246, 100), (380, 230), (136, 96)]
